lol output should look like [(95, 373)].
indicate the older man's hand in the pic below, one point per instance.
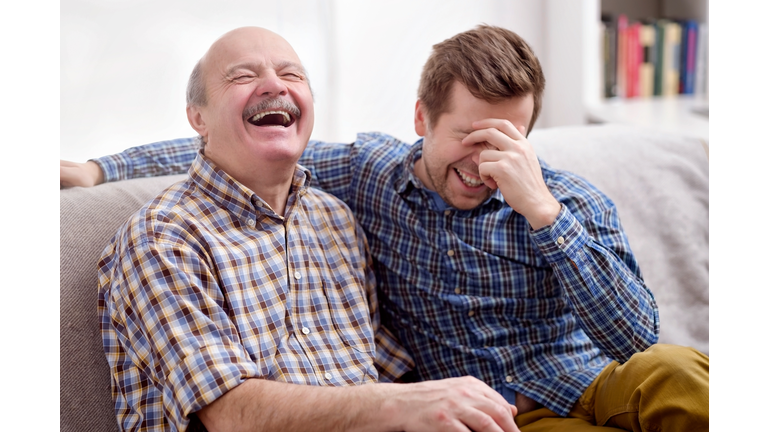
[(80, 174), (455, 404)]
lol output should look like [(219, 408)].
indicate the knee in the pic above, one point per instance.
[(676, 361)]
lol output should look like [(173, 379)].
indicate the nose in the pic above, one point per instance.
[(476, 149), (271, 85)]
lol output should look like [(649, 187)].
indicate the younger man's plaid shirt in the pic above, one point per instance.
[(206, 286)]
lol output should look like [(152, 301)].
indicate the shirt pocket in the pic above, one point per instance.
[(350, 315)]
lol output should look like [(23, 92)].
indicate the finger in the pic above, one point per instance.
[(499, 405), (493, 138), (486, 175), (503, 125), (490, 417)]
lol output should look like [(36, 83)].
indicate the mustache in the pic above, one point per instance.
[(273, 104)]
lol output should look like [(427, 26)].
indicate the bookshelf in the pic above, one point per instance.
[(639, 104)]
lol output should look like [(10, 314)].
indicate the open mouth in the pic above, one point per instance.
[(272, 118), (470, 181)]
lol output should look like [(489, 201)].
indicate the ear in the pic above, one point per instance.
[(195, 118), (420, 119)]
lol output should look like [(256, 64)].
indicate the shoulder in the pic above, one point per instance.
[(169, 217), (380, 147)]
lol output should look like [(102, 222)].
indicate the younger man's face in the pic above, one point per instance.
[(449, 167)]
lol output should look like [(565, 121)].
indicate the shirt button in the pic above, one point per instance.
[(509, 379), (251, 223), (305, 330), (471, 313), (297, 275), (450, 252), (258, 203), (447, 212), (328, 376), (457, 290), (560, 240)]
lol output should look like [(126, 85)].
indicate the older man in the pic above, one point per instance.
[(240, 282), (489, 262)]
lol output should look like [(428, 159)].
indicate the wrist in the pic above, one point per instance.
[(545, 214), (94, 172)]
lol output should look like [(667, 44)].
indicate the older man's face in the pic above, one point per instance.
[(259, 104)]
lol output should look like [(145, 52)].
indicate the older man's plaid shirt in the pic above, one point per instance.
[(476, 292), (206, 286)]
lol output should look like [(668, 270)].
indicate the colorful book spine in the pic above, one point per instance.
[(647, 42), (609, 55), (701, 86), (658, 68), (671, 69), (621, 56), (690, 57)]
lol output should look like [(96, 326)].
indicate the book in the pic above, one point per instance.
[(646, 72), (689, 71), (633, 59), (658, 67), (608, 29), (701, 77), (621, 55), (671, 66)]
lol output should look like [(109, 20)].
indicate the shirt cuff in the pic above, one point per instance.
[(563, 239), (115, 167)]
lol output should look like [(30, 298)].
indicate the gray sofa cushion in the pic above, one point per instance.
[(658, 181)]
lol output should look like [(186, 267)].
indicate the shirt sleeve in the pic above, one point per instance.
[(590, 255), (150, 160), (168, 339)]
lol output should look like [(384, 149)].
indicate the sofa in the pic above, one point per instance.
[(658, 181)]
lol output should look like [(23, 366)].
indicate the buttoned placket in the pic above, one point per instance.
[(305, 331)]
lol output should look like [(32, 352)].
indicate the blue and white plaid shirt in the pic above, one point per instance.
[(206, 286), (477, 292)]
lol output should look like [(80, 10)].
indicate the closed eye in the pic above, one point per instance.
[(243, 77)]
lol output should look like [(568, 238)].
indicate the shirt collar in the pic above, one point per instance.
[(232, 195), (409, 181)]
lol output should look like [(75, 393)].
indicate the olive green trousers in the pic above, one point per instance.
[(664, 388)]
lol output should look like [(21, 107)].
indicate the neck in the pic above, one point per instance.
[(420, 170), (272, 190), (271, 182)]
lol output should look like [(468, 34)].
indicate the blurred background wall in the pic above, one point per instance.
[(125, 63)]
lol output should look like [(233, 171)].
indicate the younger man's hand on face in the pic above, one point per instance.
[(509, 163), (80, 174)]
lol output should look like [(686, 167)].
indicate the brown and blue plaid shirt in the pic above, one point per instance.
[(206, 287)]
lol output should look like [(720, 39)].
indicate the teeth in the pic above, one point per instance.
[(471, 182), (261, 115)]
